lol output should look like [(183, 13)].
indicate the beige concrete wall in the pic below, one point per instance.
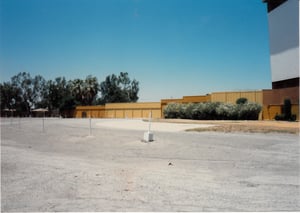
[(135, 110), (231, 97), (87, 111), (270, 111), (196, 99), (295, 110), (120, 110), (142, 110)]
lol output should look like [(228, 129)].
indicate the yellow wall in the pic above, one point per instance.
[(231, 97), (121, 110), (196, 99), (295, 110), (93, 111), (142, 110), (188, 99), (135, 110), (270, 111)]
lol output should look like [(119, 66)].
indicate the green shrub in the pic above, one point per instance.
[(197, 111), (189, 111), (249, 111), (204, 111), (241, 101), (287, 112), (227, 111), (213, 111), (279, 117), (172, 110)]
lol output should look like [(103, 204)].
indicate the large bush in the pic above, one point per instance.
[(248, 111), (213, 111), (227, 112)]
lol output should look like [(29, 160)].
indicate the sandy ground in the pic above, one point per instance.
[(65, 168), (138, 124), (239, 126)]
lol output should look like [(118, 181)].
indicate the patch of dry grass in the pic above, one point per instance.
[(241, 126)]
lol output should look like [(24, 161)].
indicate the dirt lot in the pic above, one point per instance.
[(242, 126), (66, 167)]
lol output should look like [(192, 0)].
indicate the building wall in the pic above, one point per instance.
[(284, 40), (277, 96), (283, 18), (133, 110), (90, 111), (120, 110), (271, 100), (196, 99), (185, 99), (188, 99), (270, 111), (231, 97)]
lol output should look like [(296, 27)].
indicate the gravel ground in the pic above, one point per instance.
[(65, 168)]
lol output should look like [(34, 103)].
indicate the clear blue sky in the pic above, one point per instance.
[(172, 47)]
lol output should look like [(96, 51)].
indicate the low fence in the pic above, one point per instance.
[(133, 110), (120, 110)]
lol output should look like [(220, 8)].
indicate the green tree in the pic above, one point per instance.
[(84, 91), (39, 87), (77, 88), (241, 101), (26, 92), (57, 91), (119, 89), (67, 103), (24, 97), (8, 95), (90, 90)]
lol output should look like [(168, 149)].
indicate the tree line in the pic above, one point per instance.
[(25, 92)]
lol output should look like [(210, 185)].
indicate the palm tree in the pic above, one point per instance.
[(91, 88), (77, 88)]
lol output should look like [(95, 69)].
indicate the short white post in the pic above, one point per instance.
[(19, 122), (90, 126), (150, 117), (43, 123), (11, 117), (148, 136)]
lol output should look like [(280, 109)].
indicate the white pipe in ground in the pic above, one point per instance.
[(148, 136)]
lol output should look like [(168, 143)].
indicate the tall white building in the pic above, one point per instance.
[(283, 18)]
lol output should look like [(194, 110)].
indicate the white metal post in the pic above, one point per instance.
[(19, 122), (149, 126), (11, 116), (148, 136), (90, 125), (44, 122)]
